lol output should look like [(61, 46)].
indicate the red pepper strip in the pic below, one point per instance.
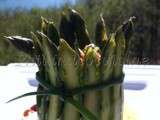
[(26, 113), (34, 108)]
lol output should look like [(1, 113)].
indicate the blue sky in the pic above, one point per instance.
[(32, 3)]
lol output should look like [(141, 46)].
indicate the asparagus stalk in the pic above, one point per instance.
[(49, 52), (106, 69), (70, 74), (66, 30), (79, 27), (49, 29), (118, 73), (91, 76), (21, 43), (101, 37)]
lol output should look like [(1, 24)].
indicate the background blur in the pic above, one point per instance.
[(20, 17)]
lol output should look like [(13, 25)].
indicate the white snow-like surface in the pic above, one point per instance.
[(146, 101), (14, 81), (141, 90)]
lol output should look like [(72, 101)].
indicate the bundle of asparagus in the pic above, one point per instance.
[(77, 78)]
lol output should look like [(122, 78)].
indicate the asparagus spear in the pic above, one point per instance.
[(49, 29), (91, 76), (101, 37), (122, 36), (66, 30), (78, 25), (70, 74), (22, 43), (49, 53), (106, 69)]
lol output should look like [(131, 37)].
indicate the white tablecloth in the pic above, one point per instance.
[(141, 90)]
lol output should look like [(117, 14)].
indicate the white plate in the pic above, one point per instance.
[(141, 90)]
